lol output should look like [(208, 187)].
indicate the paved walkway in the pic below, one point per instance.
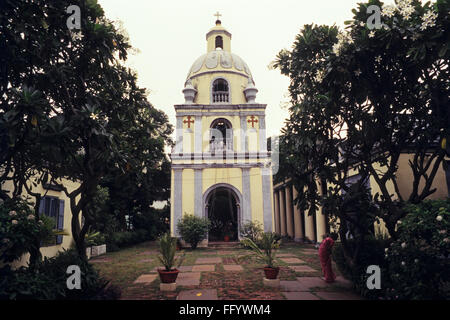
[(225, 274)]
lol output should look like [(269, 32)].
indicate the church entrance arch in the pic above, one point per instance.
[(222, 203)]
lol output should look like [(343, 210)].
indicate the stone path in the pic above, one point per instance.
[(302, 269), (188, 279), (292, 260), (146, 278), (232, 267), (204, 267), (214, 275), (208, 260), (200, 294)]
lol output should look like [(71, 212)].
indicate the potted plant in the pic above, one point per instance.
[(167, 249), (265, 250)]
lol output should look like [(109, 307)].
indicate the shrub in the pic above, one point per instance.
[(153, 221), (117, 240), (372, 253), (415, 266), (252, 230), (193, 229), (418, 261), (48, 280), (95, 239), (21, 232)]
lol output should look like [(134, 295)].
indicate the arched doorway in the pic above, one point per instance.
[(222, 208)]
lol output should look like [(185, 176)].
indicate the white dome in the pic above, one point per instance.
[(219, 60)]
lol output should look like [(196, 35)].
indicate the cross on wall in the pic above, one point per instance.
[(252, 120), (188, 121)]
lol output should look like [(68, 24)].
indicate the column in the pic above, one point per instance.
[(289, 218), (198, 194), (179, 133), (277, 212), (243, 133), (321, 224), (246, 197), (267, 199), (178, 198), (321, 220), (298, 221), (309, 226), (262, 134), (198, 134), (282, 213)]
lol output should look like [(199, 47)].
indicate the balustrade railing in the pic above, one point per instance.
[(220, 96)]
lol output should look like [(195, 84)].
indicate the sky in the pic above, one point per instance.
[(170, 36)]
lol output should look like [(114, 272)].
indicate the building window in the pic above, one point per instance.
[(221, 135), (219, 42), (220, 91), (54, 208)]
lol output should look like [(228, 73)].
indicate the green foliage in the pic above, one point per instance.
[(252, 230), (94, 239), (265, 248), (193, 229), (69, 108), (48, 280), (167, 250), (154, 221), (372, 253), (21, 232), (418, 261), (415, 265), (359, 97), (123, 239)]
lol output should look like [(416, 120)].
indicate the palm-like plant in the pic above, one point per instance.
[(266, 248), (167, 249)]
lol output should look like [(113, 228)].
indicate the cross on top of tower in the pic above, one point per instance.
[(218, 15)]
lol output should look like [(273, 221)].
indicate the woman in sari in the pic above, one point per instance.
[(325, 257)]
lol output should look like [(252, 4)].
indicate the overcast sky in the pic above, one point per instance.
[(170, 36)]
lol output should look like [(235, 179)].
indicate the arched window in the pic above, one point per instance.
[(219, 42), (221, 135), (220, 91)]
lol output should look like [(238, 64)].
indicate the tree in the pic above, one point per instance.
[(360, 98), (73, 103)]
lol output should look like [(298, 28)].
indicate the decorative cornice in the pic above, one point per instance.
[(176, 166), (221, 156), (221, 106)]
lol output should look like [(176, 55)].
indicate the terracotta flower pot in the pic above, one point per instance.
[(271, 273), (168, 276)]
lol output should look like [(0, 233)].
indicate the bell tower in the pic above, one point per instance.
[(221, 168)]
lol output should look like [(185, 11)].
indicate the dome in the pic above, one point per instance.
[(219, 60)]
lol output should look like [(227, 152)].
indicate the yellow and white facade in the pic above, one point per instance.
[(221, 144)]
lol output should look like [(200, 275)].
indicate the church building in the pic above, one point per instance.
[(221, 168)]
